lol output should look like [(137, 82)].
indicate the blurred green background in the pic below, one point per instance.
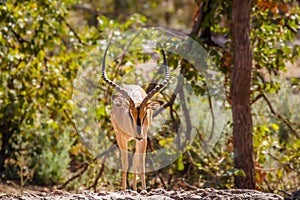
[(43, 44)]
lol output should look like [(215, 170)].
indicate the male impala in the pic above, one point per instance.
[(131, 117)]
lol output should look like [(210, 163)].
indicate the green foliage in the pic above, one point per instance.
[(53, 159), (43, 44), (38, 63), (274, 28), (271, 38), (275, 143)]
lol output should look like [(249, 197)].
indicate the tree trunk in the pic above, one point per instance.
[(240, 94)]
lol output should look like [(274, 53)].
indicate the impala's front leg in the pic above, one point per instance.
[(123, 145), (139, 163)]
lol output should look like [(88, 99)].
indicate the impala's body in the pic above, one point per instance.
[(126, 116), (132, 123), (131, 117)]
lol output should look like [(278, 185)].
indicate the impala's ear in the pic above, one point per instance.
[(119, 101), (154, 105)]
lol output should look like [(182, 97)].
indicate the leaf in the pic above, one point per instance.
[(239, 172), (180, 165), (275, 127)]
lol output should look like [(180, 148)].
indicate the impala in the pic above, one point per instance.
[(131, 116)]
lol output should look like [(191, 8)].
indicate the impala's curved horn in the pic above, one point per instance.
[(111, 83), (158, 86)]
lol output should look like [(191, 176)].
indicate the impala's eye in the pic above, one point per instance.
[(130, 115), (144, 117)]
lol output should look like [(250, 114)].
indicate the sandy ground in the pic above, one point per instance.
[(40, 193)]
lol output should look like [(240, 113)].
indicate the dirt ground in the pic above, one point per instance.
[(10, 191)]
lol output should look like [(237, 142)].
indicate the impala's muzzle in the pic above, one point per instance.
[(139, 131)]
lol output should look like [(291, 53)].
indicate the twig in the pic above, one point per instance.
[(186, 115), (170, 103), (285, 192), (211, 111), (161, 179), (268, 185), (71, 121), (170, 181), (189, 156), (158, 171), (202, 12), (85, 166), (19, 37), (94, 185), (267, 169), (197, 21), (112, 147), (279, 116), (256, 99), (73, 31)]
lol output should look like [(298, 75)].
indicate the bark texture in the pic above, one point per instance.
[(240, 94)]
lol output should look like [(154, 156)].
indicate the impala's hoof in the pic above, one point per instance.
[(143, 192)]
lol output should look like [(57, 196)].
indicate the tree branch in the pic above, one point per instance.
[(198, 19), (112, 147), (256, 99), (73, 31), (279, 116), (94, 185), (19, 37), (85, 166)]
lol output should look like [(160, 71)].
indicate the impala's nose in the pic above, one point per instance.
[(139, 132), (139, 137)]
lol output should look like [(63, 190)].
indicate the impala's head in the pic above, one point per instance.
[(140, 114)]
